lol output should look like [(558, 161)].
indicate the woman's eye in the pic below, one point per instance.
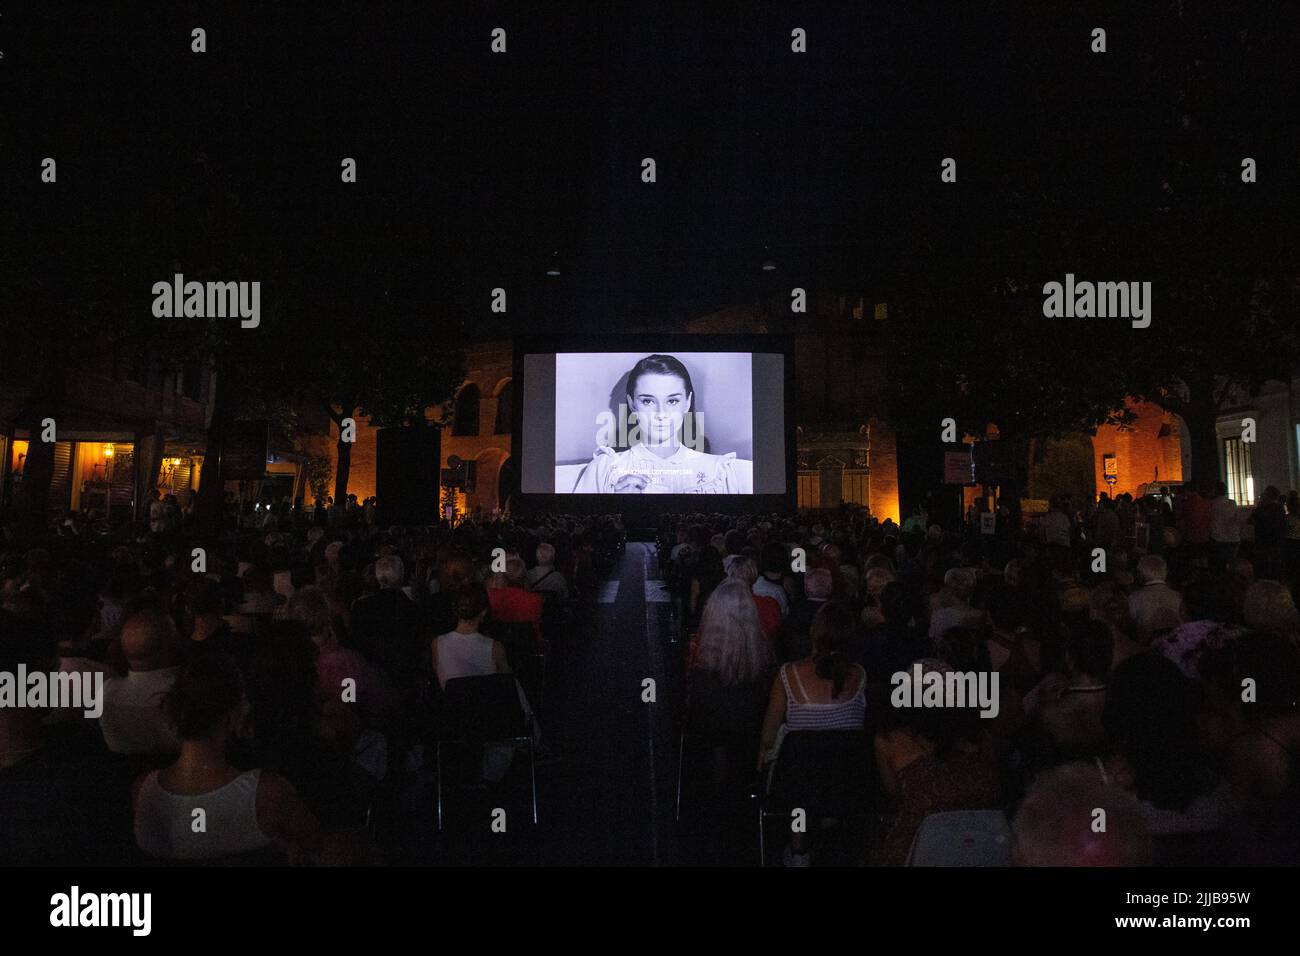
[(673, 401)]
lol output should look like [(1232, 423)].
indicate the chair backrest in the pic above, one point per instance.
[(824, 771), (962, 838), (483, 709), (518, 637)]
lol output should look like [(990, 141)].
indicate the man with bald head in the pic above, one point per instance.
[(1073, 817), (133, 721)]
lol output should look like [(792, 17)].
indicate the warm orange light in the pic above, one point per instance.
[(108, 451)]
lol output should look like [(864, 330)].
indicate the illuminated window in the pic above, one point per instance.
[(1237, 471)]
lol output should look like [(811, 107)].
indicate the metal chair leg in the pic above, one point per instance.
[(439, 763), (681, 750), (532, 770)]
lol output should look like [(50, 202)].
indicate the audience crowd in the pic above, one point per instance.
[(280, 677)]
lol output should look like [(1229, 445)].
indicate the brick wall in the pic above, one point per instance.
[(1142, 456)]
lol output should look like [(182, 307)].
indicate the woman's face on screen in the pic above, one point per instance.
[(659, 402)]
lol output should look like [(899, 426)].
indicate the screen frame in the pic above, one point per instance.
[(641, 508)]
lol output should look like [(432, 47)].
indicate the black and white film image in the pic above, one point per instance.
[(654, 423)]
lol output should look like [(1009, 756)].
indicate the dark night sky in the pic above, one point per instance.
[(488, 163)]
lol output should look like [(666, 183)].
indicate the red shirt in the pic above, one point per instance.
[(769, 615), (514, 604)]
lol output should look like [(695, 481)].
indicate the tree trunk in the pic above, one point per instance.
[(1013, 489), (342, 470), (1201, 413), (210, 503), (1202, 418), (33, 504), (34, 492)]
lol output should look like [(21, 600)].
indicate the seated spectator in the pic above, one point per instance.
[(894, 643), (769, 611), (878, 578), (388, 628), (1156, 608), (455, 570), (796, 640), (1056, 824), (58, 805), (244, 811), (205, 603), (1014, 650), (954, 603), (774, 564), (260, 596), (1150, 722), (509, 602), (544, 578), (467, 652), (825, 691), (289, 735), (1263, 762), (1069, 705), (133, 721), (730, 677), (1268, 606), (336, 664), (705, 575), (932, 760), (1107, 603)]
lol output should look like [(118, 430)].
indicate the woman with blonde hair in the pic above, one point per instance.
[(729, 679), (731, 642)]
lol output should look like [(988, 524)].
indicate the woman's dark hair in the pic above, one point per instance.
[(1090, 647), (897, 603), (1005, 607), (965, 649), (943, 727), (659, 365), (208, 689), (1150, 717), (469, 601), (832, 629)]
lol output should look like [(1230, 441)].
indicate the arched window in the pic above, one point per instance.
[(505, 408), (466, 416)]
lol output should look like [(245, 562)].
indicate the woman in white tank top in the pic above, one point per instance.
[(240, 811), (465, 652)]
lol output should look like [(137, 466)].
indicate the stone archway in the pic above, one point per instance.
[(507, 482)]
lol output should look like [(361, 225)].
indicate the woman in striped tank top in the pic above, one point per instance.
[(821, 692)]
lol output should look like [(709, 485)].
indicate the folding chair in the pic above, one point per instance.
[(482, 711), (962, 838), (826, 773)]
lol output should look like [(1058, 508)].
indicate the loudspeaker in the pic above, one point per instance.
[(406, 475)]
